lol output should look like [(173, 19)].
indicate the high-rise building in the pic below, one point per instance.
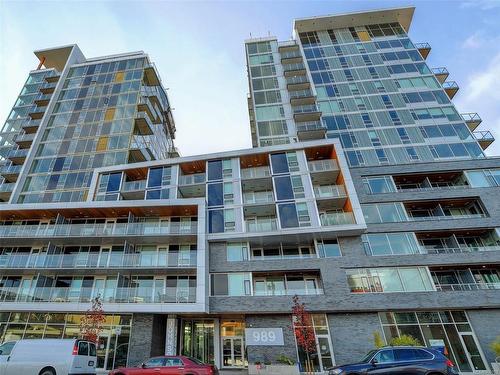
[(367, 195)]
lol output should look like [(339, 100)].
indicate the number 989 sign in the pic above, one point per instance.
[(263, 336)]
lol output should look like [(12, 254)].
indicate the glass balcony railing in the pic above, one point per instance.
[(295, 80), (288, 292), (258, 197), (7, 187), (291, 55), (23, 138), (31, 123), (453, 250), (10, 169), (308, 108), (441, 217), (257, 172), (267, 225), (323, 165), (103, 230), (310, 126), (483, 135), (471, 117), (134, 185), (337, 218), (293, 67), (19, 153), (146, 294), (96, 260), (192, 179), (466, 287), (330, 191), (301, 94)]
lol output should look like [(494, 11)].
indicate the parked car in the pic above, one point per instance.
[(399, 360), (47, 357), (169, 365)]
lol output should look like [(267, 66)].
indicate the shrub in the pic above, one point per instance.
[(404, 340), (495, 346), (283, 359), (377, 339)]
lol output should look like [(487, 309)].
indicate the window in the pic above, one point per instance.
[(283, 186), (284, 162), (155, 362), (215, 194), (379, 280), (83, 348), (384, 356), (230, 284), (390, 243), (92, 351), (288, 215), (329, 248), (384, 212), (7, 347), (173, 362), (379, 185), (214, 170), (236, 251)]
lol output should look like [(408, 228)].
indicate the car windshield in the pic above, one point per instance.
[(368, 356)]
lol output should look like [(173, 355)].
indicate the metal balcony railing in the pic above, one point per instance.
[(323, 165), (330, 191), (101, 229), (483, 135), (96, 260), (466, 287), (257, 172), (441, 217), (115, 295), (337, 218), (192, 179)]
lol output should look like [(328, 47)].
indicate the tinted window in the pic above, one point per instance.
[(284, 188), (215, 195), (403, 355), (385, 356), (215, 221), (92, 350), (172, 362), (422, 354), (155, 177), (114, 182), (6, 348), (83, 348), (215, 170), (155, 362), (288, 215), (279, 163)]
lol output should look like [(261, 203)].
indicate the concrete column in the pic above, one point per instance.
[(171, 335)]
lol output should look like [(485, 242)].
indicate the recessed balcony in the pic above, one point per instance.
[(324, 171), (424, 49), (300, 97), (465, 278), (330, 196), (458, 241), (143, 124), (472, 119), (24, 140), (337, 218), (305, 113), (430, 181), (310, 130), (192, 185), (133, 189), (451, 88), (261, 224), (441, 74), (445, 209), (484, 138)]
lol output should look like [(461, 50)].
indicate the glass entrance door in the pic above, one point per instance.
[(472, 351), (233, 352), (103, 351)]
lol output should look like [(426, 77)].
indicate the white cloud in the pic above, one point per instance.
[(481, 4), (473, 41)]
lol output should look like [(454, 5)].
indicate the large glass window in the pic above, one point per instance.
[(279, 163), (236, 251), (378, 280), (215, 194), (230, 284), (384, 212), (283, 186), (288, 215), (214, 170), (390, 243), (379, 185)]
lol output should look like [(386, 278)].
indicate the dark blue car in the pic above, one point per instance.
[(399, 360)]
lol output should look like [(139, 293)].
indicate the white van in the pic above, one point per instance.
[(48, 357)]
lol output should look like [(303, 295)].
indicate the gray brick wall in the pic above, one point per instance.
[(486, 326), (141, 338), (352, 335), (270, 353)]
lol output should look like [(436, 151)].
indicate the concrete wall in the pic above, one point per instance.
[(486, 326), (352, 335), (270, 353)]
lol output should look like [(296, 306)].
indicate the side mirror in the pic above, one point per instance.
[(374, 362)]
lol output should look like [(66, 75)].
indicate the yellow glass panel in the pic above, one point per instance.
[(110, 114), (364, 36), (102, 144), (119, 76)]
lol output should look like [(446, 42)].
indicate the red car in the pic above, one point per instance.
[(169, 365)]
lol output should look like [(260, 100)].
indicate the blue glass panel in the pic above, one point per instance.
[(215, 195), (288, 215), (279, 163)]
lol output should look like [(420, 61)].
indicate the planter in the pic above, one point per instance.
[(273, 370), (495, 367)]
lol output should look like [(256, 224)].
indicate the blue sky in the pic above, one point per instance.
[(198, 49)]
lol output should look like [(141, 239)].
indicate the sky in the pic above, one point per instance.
[(198, 48)]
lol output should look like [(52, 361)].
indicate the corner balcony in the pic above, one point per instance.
[(139, 153), (42, 100), (297, 82), (484, 138), (146, 107), (337, 218), (10, 172), (24, 140), (330, 196), (441, 74), (472, 120), (48, 87), (294, 69), (310, 130), (424, 49), (85, 295), (324, 172), (31, 126), (305, 113), (18, 156), (302, 97), (451, 88), (143, 124), (6, 189), (192, 185), (118, 260)]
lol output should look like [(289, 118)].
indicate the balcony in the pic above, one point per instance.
[(484, 138), (288, 45), (257, 172), (451, 88), (146, 107), (294, 69), (10, 172), (48, 87), (139, 152), (324, 172), (37, 113), (446, 209), (192, 185), (466, 287), (192, 179), (466, 278), (424, 49), (457, 250), (96, 260), (53, 78), (297, 82), (302, 97), (133, 189), (24, 140), (18, 156), (84, 295), (472, 120), (329, 191), (258, 197), (337, 218), (42, 100), (143, 124), (441, 74), (116, 230), (291, 57), (305, 113), (6, 189), (31, 126), (420, 182), (261, 225), (310, 130)]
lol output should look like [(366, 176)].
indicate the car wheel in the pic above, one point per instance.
[(48, 371)]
